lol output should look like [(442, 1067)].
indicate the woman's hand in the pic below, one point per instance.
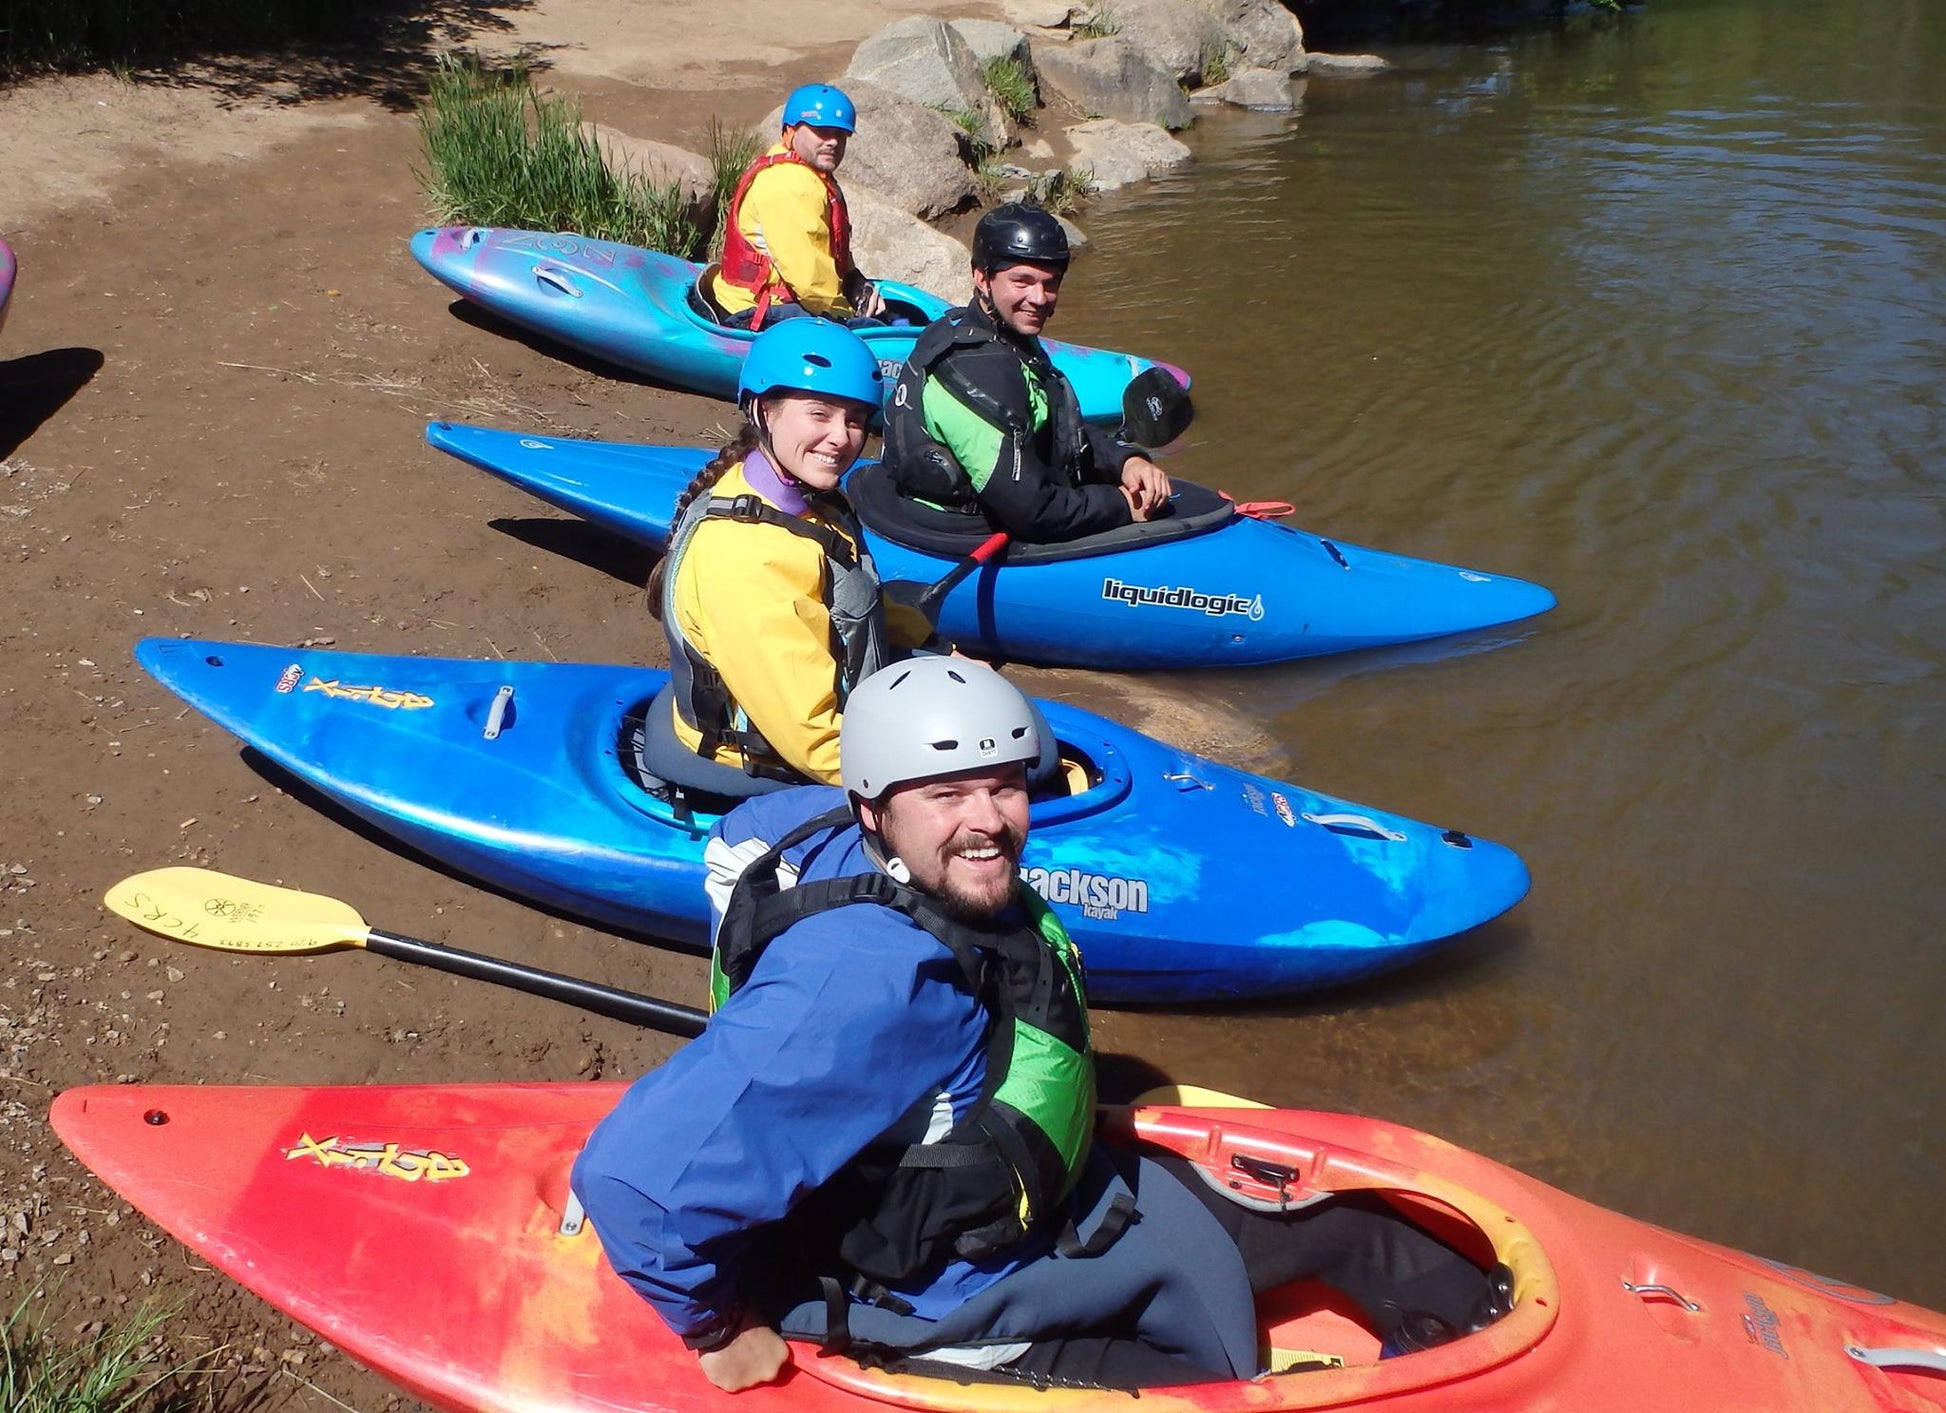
[(755, 1355)]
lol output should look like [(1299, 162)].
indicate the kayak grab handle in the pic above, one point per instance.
[(472, 236), (555, 279), (1354, 824), (1664, 1290), (497, 715), (1928, 1359), (1183, 780)]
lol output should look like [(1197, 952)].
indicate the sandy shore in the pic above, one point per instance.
[(213, 385)]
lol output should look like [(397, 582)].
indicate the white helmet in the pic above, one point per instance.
[(932, 716)]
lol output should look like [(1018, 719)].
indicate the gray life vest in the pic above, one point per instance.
[(860, 644)]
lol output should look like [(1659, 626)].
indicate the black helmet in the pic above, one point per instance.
[(1019, 234)]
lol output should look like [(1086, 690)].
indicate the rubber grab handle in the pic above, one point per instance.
[(1929, 1359)]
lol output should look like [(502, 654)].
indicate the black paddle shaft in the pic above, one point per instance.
[(645, 1011)]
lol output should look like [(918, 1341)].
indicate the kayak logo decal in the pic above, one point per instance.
[(1099, 895), (549, 244), (386, 1159), (376, 696), (1760, 1325), (1284, 811), (288, 679), (1825, 1285), (1215, 605)]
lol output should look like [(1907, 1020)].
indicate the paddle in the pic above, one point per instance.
[(1155, 411), (209, 909)]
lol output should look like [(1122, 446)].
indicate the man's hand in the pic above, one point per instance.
[(863, 296), (756, 1355), (1145, 487)]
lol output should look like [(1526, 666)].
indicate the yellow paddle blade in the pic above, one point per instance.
[(1190, 1096), (210, 909)]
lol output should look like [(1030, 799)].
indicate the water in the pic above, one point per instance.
[(1652, 311)]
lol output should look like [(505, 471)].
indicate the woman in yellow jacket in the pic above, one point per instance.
[(768, 595)]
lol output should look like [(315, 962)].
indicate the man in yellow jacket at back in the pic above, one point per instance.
[(787, 239)]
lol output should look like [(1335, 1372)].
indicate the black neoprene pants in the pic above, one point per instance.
[(1357, 1244)]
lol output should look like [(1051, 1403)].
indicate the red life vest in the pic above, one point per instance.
[(749, 268)]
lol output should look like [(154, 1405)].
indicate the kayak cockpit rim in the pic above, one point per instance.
[(1282, 1169)]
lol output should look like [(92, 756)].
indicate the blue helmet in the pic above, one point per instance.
[(822, 106), (814, 356)]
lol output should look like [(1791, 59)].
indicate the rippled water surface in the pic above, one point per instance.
[(1652, 311)]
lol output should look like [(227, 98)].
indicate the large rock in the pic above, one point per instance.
[(928, 62), (890, 245), (1266, 90), (1346, 65), (990, 40), (1117, 153), (1042, 14), (907, 153), (663, 165), (1264, 33), (1177, 36), (1110, 78)]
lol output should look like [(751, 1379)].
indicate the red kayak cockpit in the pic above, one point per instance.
[(1309, 1330)]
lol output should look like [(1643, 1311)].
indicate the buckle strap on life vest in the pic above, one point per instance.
[(751, 269)]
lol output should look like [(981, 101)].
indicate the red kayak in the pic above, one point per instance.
[(428, 1232)]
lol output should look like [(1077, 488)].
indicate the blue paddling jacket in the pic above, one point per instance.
[(853, 1029)]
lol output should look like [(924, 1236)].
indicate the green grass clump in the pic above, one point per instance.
[(1060, 190), (975, 127), (1096, 24), (730, 151), (119, 1370), (1218, 57), (1011, 86), (499, 154)]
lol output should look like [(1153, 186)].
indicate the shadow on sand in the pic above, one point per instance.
[(34, 388)]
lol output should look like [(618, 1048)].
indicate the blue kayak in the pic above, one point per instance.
[(1206, 587), (1181, 879), (632, 307)]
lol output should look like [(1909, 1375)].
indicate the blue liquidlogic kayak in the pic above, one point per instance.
[(1210, 588), (631, 306), (1180, 879)]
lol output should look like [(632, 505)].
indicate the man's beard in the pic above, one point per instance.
[(982, 905)]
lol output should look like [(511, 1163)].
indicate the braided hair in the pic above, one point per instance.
[(734, 451)]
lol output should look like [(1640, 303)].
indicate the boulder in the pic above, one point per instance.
[(663, 165), (1266, 90), (926, 61), (1264, 33), (1117, 154), (904, 151), (888, 244), (1177, 36), (1077, 238), (990, 40), (1345, 65), (1109, 78), (1042, 14)]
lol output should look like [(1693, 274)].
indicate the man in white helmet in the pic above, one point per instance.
[(882, 1139)]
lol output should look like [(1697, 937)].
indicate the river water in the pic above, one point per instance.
[(1651, 310)]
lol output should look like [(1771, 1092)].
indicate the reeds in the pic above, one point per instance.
[(499, 154)]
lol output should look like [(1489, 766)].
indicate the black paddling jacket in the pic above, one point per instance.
[(981, 421)]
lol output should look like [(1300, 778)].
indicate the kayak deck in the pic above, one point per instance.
[(1245, 592), (426, 1231)]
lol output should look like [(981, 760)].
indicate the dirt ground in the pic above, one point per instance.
[(213, 384)]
